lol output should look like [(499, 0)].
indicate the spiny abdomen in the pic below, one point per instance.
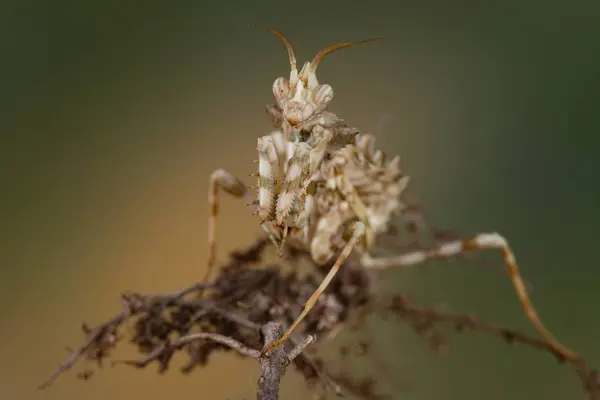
[(379, 183)]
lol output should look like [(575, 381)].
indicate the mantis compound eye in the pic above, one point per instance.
[(323, 95), (281, 89)]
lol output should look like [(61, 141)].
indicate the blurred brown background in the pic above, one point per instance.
[(113, 114)]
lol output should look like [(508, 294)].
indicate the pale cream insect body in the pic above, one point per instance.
[(322, 186)]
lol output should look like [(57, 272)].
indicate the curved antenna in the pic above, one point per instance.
[(321, 54), (287, 43)]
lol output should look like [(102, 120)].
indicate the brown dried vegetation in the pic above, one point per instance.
[(228, 314)]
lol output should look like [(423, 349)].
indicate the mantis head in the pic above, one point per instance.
[(301, 96)]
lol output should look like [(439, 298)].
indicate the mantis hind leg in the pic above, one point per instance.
[(480, 241)]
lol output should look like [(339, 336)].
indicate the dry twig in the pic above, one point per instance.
[(245, 297)]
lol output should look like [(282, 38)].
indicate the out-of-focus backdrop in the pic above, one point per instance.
[(113, 114)]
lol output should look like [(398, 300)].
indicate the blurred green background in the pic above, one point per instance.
[(113, 114)]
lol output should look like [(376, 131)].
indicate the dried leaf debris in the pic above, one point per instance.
[(231, 312)]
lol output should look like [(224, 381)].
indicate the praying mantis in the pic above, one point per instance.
[(322, 186)]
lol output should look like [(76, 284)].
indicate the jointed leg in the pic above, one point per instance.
[(359, 231), (481, 241), (271, 233), (232, 185)]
